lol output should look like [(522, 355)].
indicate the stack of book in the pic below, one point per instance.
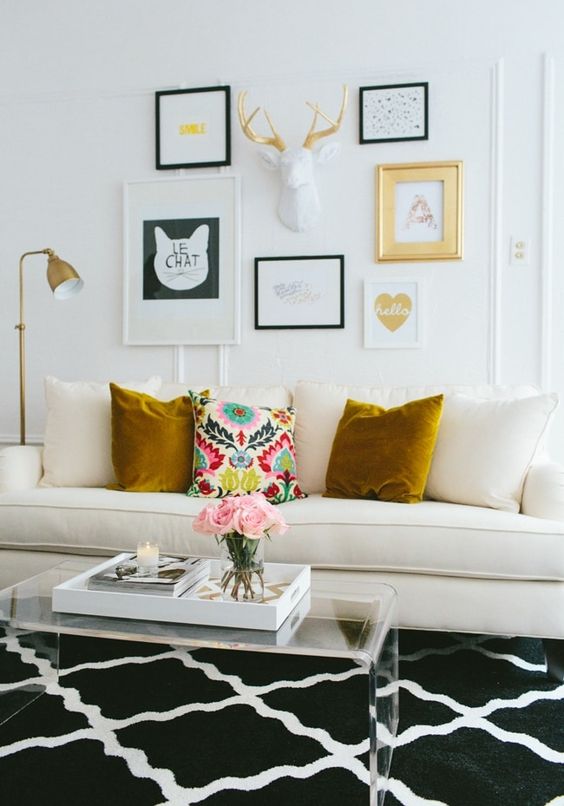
[(172, 578)]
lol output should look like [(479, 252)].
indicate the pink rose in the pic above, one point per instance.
[(254, 517), (249, 521), (248, 515), (215, 519)]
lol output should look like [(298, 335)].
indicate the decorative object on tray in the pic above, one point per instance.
[(240, 524), (147, 558), (172, 577)]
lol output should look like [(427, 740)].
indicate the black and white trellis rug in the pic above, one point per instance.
[(139, 724)]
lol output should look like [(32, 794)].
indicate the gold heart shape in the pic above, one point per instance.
[(392, 311)]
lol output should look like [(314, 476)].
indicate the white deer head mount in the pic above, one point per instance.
[(299, 207)]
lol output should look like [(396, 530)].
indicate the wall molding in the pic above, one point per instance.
[(223, 362), (178, 363), (357, 75), (547, 222), (497, 86)]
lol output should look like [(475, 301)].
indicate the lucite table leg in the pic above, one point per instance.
[(383, 715), (29, 662)]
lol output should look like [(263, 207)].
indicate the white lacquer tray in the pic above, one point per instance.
[(285, 586)]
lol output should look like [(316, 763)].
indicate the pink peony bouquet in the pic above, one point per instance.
[(238, 524), (249, 516)]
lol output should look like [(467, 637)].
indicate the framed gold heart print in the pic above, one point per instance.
[(392, 313)]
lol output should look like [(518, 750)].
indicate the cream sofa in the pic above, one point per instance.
[(455, 567)]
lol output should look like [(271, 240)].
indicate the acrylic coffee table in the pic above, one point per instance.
[(355, 621)]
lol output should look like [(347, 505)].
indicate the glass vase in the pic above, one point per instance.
[(242, 568)]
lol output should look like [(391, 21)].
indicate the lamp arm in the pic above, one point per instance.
[(21, 328)]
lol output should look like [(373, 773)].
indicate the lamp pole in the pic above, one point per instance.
[(64, 282)]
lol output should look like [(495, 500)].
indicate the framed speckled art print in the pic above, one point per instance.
[(394, 112)]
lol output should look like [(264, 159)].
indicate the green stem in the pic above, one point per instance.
[(242, 552)]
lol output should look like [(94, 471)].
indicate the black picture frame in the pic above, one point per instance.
[(302, 292), (210, 124), (390, 101)]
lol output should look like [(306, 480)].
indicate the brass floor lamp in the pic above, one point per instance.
[(64, 282)]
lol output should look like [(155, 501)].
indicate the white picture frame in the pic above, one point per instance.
[(182, 261), (393, 313)]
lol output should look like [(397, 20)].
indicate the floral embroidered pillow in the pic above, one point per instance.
[(240, 449)]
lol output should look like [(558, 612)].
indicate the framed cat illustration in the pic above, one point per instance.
[(182, 262)]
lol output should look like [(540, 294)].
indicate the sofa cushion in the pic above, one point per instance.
[(77, 443), (431, 538), (384, 453), (242, 449), (319, 407), (152, 442), (485, 448), (275, 396)]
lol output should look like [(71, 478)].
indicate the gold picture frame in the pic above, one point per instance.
[(419, 215)]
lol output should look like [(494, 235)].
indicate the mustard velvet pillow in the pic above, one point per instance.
[(383, 454), (152, 442)]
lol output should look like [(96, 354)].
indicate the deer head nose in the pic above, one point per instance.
[(295, 181)]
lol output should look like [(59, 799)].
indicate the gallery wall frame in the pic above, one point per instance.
[(419, 211), (391, 113), (393, 313), (193, 127), (302, 292), (182, 261)]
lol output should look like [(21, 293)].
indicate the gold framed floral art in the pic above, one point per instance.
[(419, 211)]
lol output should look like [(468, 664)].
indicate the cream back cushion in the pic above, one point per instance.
[(319, 407), (273, 396), (77, 443), (485, 448)]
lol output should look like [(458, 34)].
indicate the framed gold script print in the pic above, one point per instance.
[(419, 211)]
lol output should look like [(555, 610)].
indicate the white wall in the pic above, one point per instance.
[(77, 83)]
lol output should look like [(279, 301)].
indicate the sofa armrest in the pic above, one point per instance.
[(543, 492), (20, 467)]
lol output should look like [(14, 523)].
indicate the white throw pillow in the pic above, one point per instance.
[(78, 432), (485, 447)]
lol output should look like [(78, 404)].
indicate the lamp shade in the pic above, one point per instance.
[(63, 279)]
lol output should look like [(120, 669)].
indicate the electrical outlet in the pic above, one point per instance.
[(519, 251)]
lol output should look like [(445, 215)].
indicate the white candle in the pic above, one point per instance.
[(147, 557)]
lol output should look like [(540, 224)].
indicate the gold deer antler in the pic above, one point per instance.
[(312, 136), (249, 132)]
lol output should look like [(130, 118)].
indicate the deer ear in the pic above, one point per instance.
[(327, 152), (270, 159)]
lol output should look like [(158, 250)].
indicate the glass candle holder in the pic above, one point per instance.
[(147, 558)]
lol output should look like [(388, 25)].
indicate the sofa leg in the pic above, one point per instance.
[(554, 651)]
